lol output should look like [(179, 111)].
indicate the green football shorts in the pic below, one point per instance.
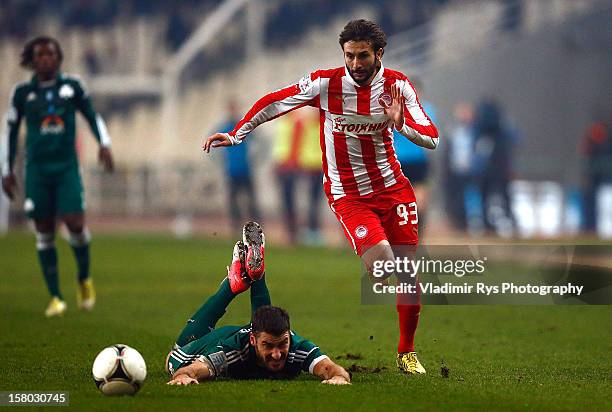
[(185, 355), (53, 194)]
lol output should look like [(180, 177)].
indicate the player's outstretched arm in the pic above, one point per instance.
[(331, 373), (271, 106), (191, 374)]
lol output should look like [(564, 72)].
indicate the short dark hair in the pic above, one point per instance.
[(270, 319), (364, 30), (27, 54)]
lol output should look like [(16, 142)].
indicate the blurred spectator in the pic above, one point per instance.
[(596, 147), (238, 173), (90, 56), (460, 171), (298, 156), (414, 161), (511, 18), (494, 146)]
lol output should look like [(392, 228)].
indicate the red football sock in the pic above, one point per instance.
[(408, 316)]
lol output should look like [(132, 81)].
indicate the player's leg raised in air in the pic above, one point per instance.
[(204, 320)]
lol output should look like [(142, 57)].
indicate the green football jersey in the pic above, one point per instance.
[(49, 110), (228, 350)]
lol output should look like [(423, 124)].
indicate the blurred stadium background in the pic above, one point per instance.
[(163, 73)]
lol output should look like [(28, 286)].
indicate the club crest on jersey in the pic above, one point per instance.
[(361, 231), (31, 96), (385, 100), (66, 91)]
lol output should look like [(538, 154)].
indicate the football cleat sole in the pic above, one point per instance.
[(254, 240)]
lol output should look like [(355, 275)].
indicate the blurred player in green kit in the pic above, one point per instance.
[(53, 188)]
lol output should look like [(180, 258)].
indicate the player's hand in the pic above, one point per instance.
[(337, 380), (106, 158), (183, 380), (395, 112), (9, 186), (216, 140)]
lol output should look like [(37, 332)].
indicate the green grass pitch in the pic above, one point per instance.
[(498, 357)]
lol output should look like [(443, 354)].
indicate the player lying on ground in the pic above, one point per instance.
[(359, 104), (266, 348), (53, 187)]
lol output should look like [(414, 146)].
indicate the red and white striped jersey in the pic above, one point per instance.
[(356, 136)]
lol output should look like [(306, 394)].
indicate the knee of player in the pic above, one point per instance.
[(79, 237), (379, 260), (45, 240)]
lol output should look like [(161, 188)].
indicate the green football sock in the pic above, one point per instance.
[(260, 296), (79, 241), (205, 319), (81, 254), (48, 263)]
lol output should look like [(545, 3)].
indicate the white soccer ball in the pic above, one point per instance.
[(119, 370)]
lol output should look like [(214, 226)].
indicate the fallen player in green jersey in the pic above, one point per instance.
[(266, 348)]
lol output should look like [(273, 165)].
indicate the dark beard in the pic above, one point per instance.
[(369, 74)]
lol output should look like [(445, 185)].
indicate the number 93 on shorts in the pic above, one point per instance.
[(391, 215)]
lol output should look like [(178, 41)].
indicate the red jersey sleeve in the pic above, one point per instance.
[(303, 93)]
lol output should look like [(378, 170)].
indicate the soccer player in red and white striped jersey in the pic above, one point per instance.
[(359, 104)]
